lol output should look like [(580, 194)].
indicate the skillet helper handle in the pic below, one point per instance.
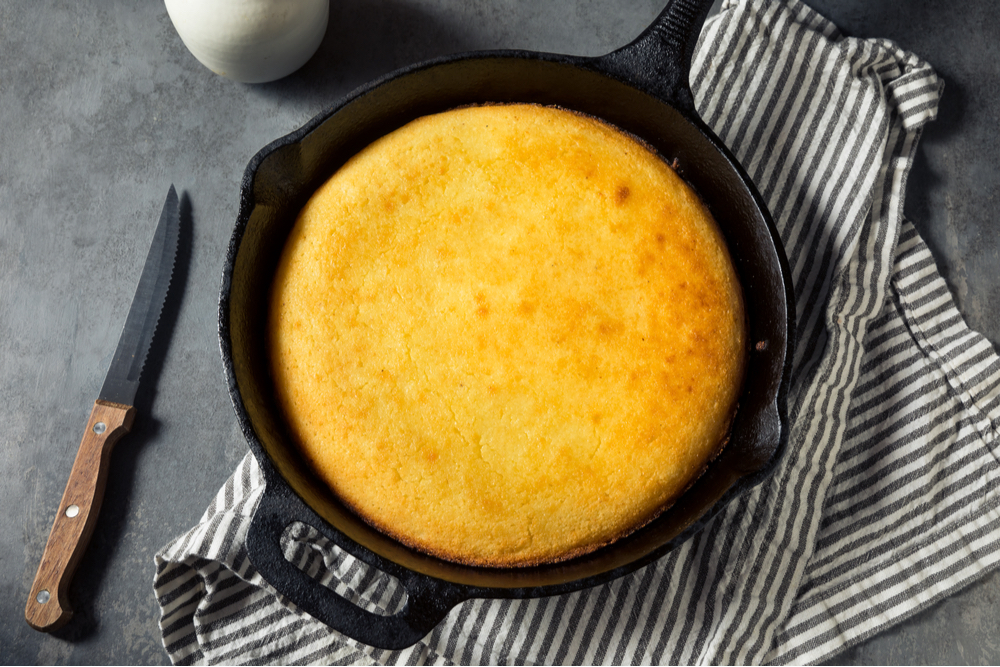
[(428, 600), (48, 608), (659, 59)]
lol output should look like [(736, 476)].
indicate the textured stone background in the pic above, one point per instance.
[(102, 108)]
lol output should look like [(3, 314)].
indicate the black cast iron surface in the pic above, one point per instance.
[(102, 108)]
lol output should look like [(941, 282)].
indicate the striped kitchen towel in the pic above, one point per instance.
[(887, 498)]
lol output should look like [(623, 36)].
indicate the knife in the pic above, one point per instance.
[(110, 419)]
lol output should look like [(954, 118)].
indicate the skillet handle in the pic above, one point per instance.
[(658, 60), (428, 600)]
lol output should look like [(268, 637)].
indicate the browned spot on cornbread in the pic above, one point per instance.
[(621, 194)]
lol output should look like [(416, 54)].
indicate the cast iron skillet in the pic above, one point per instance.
[(642, 88)]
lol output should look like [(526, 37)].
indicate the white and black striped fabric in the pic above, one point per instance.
[(888, 497)]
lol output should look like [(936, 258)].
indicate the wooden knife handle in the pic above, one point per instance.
[(47, 608)]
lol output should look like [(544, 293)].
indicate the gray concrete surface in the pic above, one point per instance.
[(102, 108)]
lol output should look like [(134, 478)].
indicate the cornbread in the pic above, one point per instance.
[(507, 335)]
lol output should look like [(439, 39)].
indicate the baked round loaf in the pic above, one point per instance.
[(507, 335)]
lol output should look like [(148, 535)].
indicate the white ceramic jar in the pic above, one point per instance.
[(252, 41)]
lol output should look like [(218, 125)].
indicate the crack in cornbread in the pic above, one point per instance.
[(507, 335)]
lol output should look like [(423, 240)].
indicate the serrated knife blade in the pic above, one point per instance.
[(111, 417), (122, 380)]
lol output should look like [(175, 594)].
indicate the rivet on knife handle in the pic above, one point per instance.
[(47, 607)]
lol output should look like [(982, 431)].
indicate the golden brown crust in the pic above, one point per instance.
[(507, 335)]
